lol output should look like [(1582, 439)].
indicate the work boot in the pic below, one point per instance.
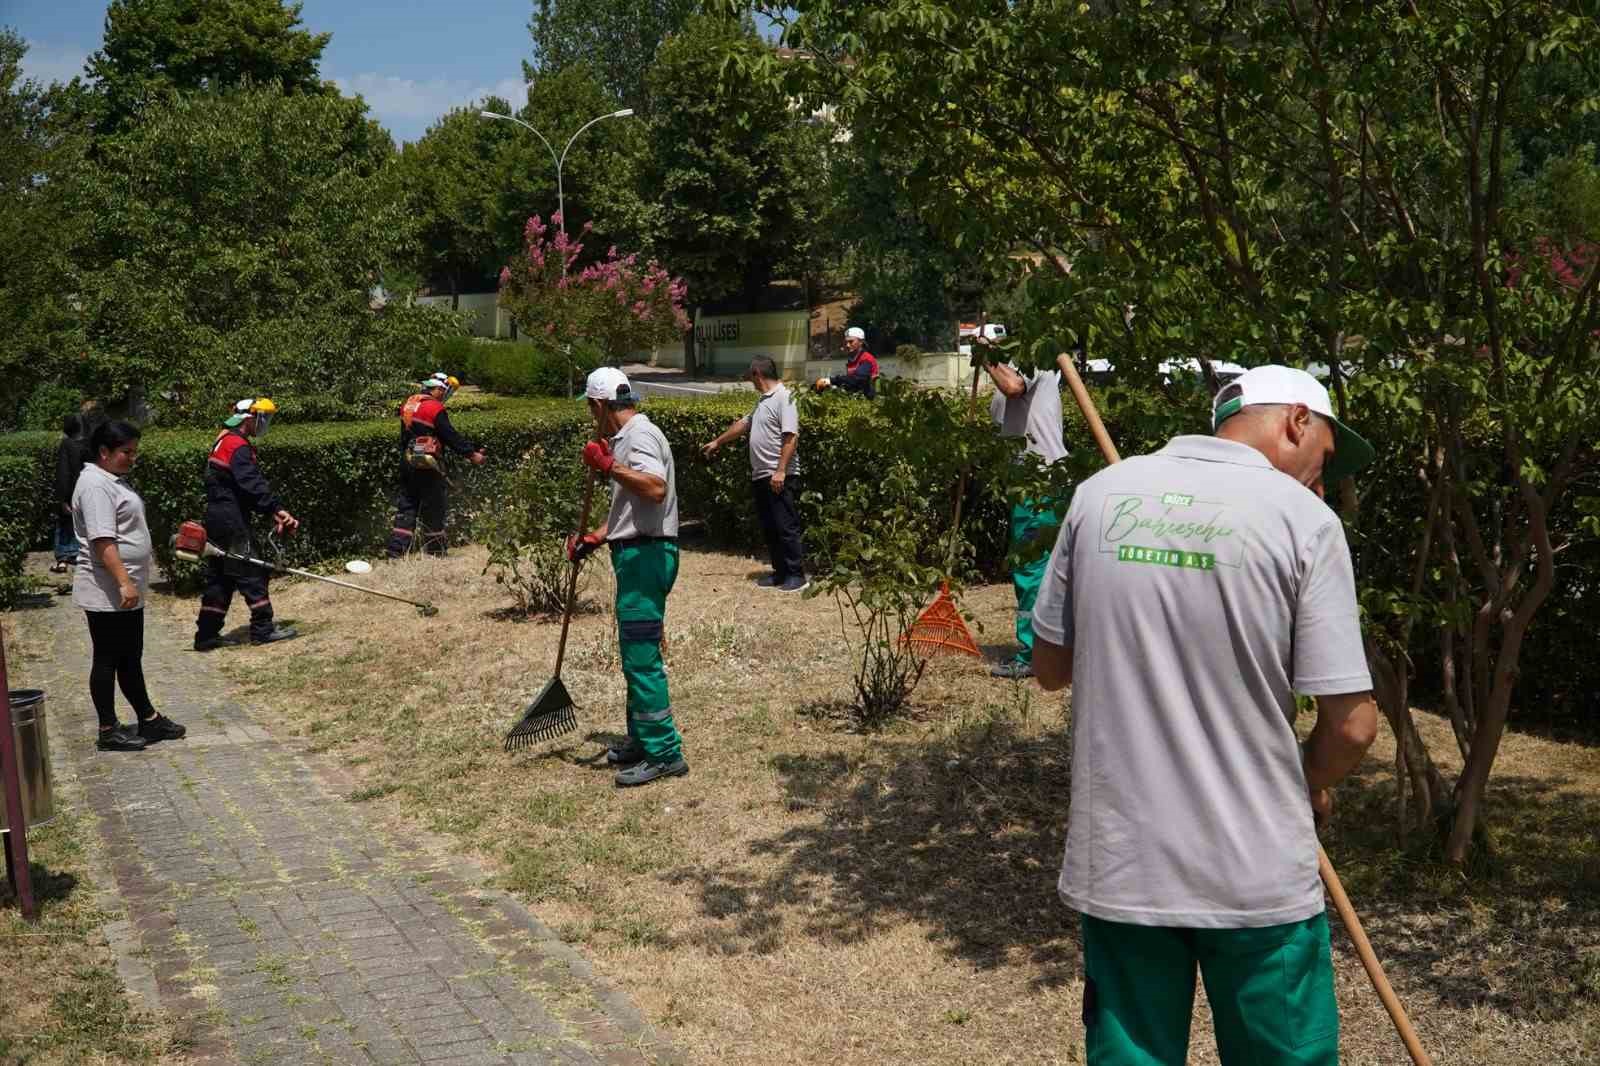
[(278, 633), (120, 738), (160, 727), (1014, 670), (768, 581), (645, 772), (625, 754), (213, 643), (795, 583)]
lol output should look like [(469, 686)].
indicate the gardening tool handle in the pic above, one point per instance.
[(1330, 877), (1369, 960), (1097, 428), (572, 579)]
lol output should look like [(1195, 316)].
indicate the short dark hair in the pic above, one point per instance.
[(72, 425), (766, 366), (113, 435)]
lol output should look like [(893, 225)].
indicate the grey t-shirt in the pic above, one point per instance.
[(775, 414), (1036, 414), (104, 505), (640, 446), (1199, 589)]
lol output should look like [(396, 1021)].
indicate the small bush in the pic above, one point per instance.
[(535, 507), (19, 477)]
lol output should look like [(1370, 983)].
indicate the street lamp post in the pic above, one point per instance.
[(560, 160), (561, 195)]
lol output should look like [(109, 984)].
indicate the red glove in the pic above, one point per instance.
[(597, 455), (580, 548)]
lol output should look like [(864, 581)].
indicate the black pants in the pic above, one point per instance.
[(422, 494), (779, 514), (118, 639), (222, 577)]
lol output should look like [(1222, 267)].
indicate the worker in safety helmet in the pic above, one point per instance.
[(236, 490), (425, 432)]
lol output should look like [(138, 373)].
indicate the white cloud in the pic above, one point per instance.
[(45, 63), (407, 106)]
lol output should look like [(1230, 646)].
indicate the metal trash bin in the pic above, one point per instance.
[(33, 757)]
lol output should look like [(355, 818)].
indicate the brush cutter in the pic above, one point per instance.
[(190, 544), (552, 711), (1330, 878)]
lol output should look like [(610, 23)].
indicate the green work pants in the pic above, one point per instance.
[(1029, 519), (1270, 989), (645, 573)]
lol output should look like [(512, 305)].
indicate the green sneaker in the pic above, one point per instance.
[(645, 772)]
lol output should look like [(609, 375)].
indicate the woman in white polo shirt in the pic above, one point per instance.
[(110, 582)]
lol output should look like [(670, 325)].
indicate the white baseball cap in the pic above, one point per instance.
[(609, 383), (1286, 384), (855, 333)]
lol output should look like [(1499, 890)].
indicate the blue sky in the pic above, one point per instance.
[(412, 60)]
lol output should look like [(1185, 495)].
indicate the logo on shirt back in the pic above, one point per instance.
[(1173, 529)]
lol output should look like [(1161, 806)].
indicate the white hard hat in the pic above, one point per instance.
[(855, 333), (609, 383)]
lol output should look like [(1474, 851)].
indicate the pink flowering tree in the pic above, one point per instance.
[(614, 303)]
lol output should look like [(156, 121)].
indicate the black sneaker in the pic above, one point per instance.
[(625, 754), (160, 727), (1014, 670), (645, 772), (795, 583), (213, 643), (768, 581), (120, 738), (278, 633)]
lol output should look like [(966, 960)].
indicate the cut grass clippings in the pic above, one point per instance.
[(813, 894)]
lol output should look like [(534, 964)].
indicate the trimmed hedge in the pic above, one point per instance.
[(515, 368), (19, 495)]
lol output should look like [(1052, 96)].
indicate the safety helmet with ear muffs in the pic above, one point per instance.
[(444, 381), (260, 408)]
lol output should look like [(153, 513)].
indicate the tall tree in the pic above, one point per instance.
[(475, 182), (617, 39), (1286, 181), (41, 143), (235, 237), (156, 47), (739, 174)]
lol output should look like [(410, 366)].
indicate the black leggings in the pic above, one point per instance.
[(118, 638)]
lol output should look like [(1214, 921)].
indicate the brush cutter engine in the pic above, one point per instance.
[(190, 543)]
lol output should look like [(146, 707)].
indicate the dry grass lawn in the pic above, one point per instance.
[(810, 894)]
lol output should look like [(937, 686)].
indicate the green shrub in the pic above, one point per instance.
[(19, 487), (534, 508)]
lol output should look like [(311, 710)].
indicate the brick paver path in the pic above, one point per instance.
[(285, 926)]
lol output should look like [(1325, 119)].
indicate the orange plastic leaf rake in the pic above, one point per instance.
[(941, 629)]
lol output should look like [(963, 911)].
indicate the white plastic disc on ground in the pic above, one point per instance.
[(358, 566)]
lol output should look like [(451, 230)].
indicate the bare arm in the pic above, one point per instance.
[(733, 432), (1346, 726), (104, 550), (786, 453), (647, 486), (1008, 381), (1052, 665)]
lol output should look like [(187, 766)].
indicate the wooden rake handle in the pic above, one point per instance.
[(572, 580), (1330, 878)]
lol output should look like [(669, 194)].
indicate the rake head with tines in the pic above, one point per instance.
[(549, 715)]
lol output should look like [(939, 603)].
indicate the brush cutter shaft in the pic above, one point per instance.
[(212, 551), (1330, 878)]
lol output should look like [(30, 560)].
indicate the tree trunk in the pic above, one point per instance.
[(1415, 772)]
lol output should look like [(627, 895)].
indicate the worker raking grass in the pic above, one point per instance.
[(642, 533), (1190, 595)]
